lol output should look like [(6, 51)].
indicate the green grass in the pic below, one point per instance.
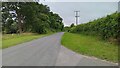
[(9, 40), (91, 46)]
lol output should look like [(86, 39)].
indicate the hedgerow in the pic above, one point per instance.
[(105, 27)]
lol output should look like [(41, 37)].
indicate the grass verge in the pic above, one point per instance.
[(9, 40), (91, 46)]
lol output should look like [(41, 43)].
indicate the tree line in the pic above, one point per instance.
[(106, 27), (19, 17)]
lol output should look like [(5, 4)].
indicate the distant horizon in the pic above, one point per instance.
[(89, 11)]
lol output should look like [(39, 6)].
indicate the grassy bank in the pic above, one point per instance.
[(9, 40), (91, 46)]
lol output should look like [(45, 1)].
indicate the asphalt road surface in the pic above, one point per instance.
[(47, 51)]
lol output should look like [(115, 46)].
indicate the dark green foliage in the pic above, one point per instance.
[(67, 29), (106, 27), (72, 25), (18, 17)]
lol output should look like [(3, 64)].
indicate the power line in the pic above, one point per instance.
[(77, 16)]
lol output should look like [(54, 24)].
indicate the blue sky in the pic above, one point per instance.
[(88, 10)]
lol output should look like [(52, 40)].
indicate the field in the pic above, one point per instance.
[(91, 46), (9, 40)]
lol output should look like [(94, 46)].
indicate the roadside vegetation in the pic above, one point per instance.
[(9, 40), (99, 38), (19, 18), (91, 46), (108, 28)]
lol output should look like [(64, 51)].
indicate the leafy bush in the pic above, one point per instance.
[(106, 27)]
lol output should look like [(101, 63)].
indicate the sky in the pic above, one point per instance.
[(88, 10), (61, 0)]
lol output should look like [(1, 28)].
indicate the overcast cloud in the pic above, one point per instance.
[(88, 10)]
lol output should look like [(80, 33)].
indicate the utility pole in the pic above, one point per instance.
[(77, 16)]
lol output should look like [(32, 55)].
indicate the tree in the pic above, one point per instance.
[(72, 25), (13, 9), (37, 18)]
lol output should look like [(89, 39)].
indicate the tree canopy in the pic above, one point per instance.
[(18, 17)]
